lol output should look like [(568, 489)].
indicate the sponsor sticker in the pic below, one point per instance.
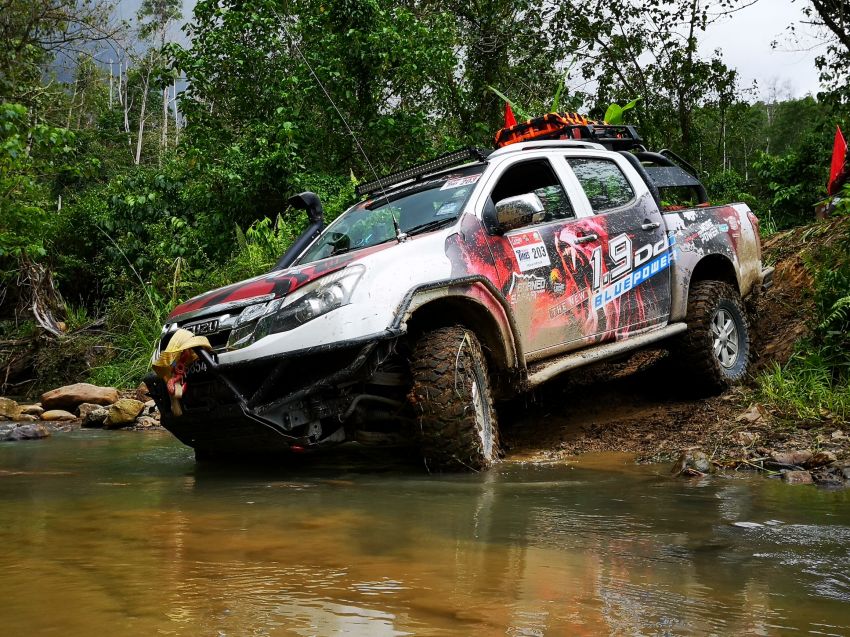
[(457, 182), (526, 285), (448, 208), (530, 251)]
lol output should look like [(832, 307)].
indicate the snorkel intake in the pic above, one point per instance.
[(310, 202)]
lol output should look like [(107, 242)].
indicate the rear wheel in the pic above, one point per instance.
[(715, 351), (454, 403)]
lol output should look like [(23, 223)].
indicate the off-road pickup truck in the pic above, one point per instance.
[(459, 282)]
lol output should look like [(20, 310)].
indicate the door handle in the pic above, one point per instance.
[(587, 238), (650, 225)]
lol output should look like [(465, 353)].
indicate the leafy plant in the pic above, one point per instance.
[(614, 113)]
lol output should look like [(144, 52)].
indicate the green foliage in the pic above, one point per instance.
[(614, 113), (815, 383), (134, 327), (29, 157), (805, 388)]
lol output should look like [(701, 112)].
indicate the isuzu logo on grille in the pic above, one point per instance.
[(207, 327)]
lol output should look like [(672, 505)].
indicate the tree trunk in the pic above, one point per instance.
[(141, 135), (164, 118), (176, 117)]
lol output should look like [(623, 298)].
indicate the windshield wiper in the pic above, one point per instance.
[(359, 247), (431, 225)]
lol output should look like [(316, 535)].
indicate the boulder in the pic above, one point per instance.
[(692, 463), (86, 408), (95, 417), (26, 418), (9, 409), (123, 412), (70, 396), (57, 414), (797, 477), (27, 432), (32, 410)]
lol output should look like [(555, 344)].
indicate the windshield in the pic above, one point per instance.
[(418, 207)]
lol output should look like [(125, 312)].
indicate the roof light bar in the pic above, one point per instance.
[(447, 160)]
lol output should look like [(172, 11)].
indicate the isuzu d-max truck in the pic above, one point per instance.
[(465, 280)]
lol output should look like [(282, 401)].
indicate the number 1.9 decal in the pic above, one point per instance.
[(629, 268)]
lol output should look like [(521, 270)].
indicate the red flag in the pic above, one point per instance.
[(510, 120), (839, 154)]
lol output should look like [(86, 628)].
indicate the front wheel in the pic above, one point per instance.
[(451, 393), (715, 351)]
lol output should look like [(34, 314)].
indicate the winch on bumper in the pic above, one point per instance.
[(292, 402)]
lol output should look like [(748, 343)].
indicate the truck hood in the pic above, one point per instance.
[(266, 286)]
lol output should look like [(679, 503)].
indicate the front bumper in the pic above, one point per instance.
[(291, 402)]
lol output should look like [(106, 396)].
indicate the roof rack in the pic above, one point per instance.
[(447, 160), (564, 126)]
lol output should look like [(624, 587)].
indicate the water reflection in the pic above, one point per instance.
[(124, 535)]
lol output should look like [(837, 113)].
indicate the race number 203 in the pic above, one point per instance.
[(530, 251)]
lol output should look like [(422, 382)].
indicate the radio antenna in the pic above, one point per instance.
[(399, 235)]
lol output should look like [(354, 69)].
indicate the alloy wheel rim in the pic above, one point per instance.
[(726, 344), (482, 418)]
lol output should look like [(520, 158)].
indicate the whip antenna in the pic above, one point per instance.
[(399, 235)]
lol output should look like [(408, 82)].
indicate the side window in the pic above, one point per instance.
[(535, 176), (604, 183)]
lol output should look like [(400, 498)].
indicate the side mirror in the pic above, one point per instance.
[(513, 212)]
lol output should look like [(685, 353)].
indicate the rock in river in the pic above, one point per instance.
[(70, 396), (25, 432), (58, 414), (95, 417), (86, 408), (692, 463), (797, 477), (9, 409), (32, 410), (123, 413)]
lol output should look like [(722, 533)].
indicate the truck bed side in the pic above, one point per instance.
[(718, 242)]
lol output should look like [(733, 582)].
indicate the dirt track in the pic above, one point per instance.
[(639, 406)]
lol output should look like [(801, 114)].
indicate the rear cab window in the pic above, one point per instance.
[(603, 182)]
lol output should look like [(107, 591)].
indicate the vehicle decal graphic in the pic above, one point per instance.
[(279, 282)]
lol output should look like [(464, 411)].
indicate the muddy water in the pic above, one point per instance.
[(121, 534)]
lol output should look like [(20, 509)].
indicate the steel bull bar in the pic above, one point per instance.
[(253, 407)]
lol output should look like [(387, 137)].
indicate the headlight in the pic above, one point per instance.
[(281, 315)]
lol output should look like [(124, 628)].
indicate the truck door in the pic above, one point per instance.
[(547, 285), (630, 266)]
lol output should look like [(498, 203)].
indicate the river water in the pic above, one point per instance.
[(121, 534)]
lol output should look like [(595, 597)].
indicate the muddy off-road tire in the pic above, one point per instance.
[(715, 351), (453, 401)]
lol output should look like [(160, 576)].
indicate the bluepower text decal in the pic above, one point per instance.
[(643, 264)]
